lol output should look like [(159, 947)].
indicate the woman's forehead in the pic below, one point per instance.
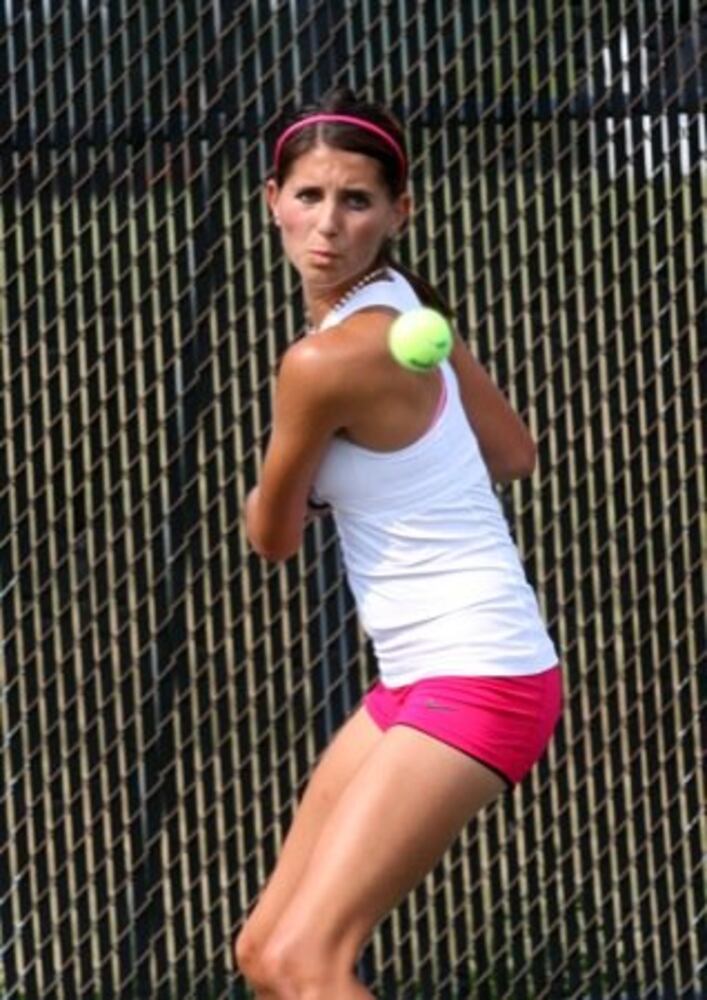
[(340, 167)]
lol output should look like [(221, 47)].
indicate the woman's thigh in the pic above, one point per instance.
[(398, 814), (338, 764)]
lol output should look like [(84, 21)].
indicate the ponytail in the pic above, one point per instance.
[(428, 295)]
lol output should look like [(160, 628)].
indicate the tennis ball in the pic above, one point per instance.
[(419, 339)]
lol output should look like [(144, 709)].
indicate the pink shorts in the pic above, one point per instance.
[(504, 722)]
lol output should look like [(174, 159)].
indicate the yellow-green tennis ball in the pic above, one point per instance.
[(419, 339)]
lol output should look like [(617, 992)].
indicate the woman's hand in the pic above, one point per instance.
[(316, 510)]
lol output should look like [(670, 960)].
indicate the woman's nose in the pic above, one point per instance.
[(328, 221)]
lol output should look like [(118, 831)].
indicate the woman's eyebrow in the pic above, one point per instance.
[(346, 190)]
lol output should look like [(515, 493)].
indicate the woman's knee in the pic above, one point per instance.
[(298, 963), (267, 966), (248, 957)]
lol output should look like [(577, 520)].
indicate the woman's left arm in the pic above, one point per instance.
[(505, 442)]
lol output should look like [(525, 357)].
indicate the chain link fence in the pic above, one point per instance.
[(165, 693)]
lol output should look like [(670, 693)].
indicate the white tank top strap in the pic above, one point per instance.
[(391, 290)]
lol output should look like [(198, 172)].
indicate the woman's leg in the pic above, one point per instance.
[(398, 814), (340, 761)]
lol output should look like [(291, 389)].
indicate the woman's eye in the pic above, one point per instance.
[(307, 195), (356, 200)]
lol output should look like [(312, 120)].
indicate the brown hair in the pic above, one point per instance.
[(353, 139)]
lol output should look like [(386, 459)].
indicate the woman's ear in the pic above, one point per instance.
[(401, 215), (272, 195)]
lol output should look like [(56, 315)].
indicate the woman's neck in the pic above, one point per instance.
[(319, 307)]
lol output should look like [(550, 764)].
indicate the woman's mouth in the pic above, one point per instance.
[(323, 254)]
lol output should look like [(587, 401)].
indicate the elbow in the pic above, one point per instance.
[(273, 549), (527, 460), (273, 555), (521, 464), (274, 546), (271, 541)]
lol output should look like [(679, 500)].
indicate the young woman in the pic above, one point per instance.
[(470, 689)]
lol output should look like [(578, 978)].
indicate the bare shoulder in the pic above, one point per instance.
[(361, 341), (309, 367), (331, 363)]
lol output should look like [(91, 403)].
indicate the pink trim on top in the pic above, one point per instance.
[(344, 120), (440, 402)]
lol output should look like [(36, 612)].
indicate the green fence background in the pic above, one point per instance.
[(164, 693)]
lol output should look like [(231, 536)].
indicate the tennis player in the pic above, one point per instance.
[(470, 689)]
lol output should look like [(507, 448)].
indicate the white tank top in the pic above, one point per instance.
[(437, 580)]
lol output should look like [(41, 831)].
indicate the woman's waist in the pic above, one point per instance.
[(484, 593), (467, 640)]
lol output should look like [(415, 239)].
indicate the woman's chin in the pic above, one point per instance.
[(323, 276)]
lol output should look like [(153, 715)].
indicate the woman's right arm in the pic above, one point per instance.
[(505, 442), (308, 410)]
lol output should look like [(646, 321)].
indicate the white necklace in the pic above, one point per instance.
[(367, 279)]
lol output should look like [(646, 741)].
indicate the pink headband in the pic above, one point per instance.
[(343, 120)]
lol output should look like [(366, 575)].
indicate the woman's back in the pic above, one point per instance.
[(426, 546)]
